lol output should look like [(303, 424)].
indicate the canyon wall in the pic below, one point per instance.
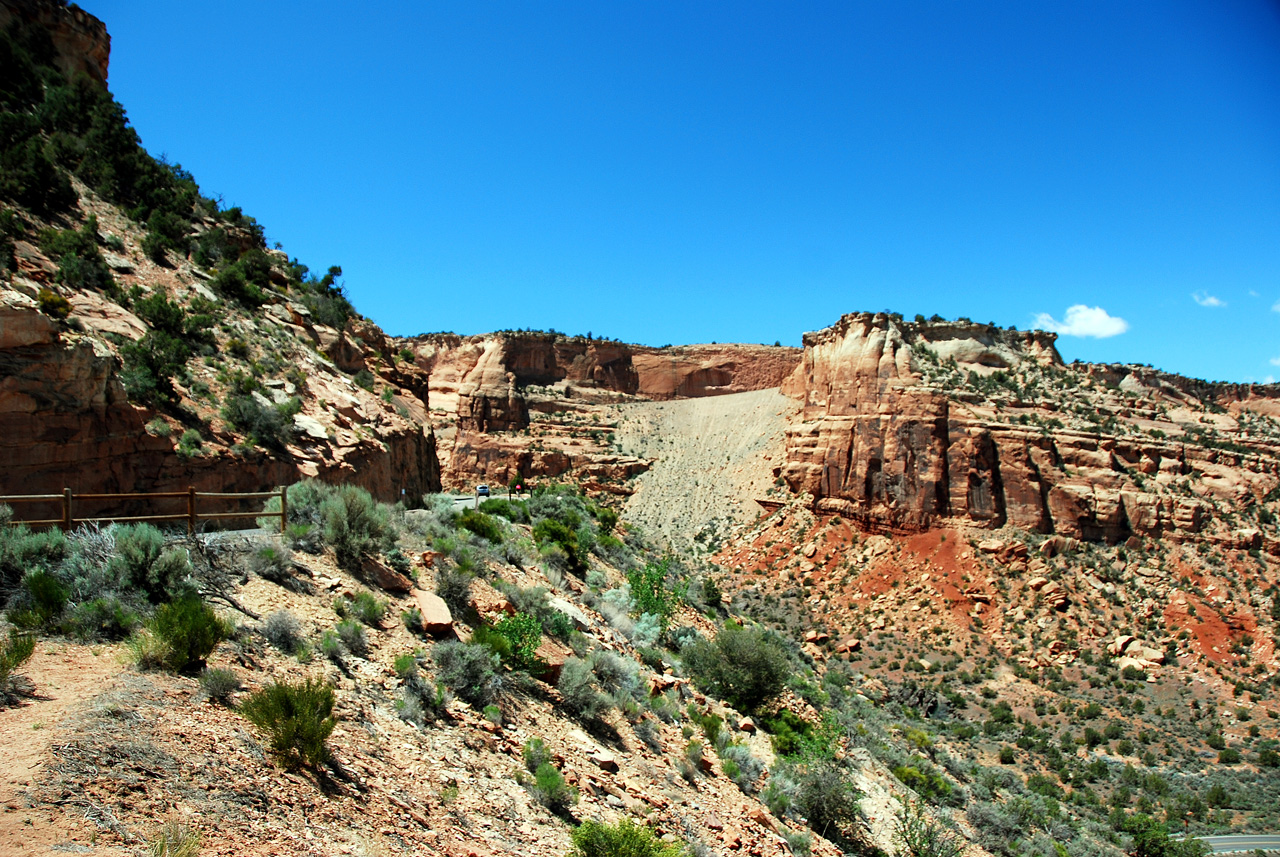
[(80, 40), (881, 443), (65, 422), (481, 378)]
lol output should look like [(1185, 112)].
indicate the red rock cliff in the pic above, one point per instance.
[(906, 423)]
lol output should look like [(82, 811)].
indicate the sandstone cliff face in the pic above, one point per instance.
[(481, 378), (905, 424), (80, 39), (530, 404)]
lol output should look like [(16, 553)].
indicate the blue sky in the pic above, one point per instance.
[(672, 172)]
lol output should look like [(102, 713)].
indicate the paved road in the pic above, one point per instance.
[(1242, 842)]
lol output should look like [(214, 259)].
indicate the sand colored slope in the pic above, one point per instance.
[(713, 458)]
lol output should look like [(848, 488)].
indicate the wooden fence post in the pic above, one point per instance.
[(191, 510), (66, 510), (284, 508)]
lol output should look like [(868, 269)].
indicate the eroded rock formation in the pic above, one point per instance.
[(907, 423)]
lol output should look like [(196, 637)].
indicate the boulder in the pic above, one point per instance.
[(552, 654), (605, 761), (437, 621), (1117, 646), (378, 572)]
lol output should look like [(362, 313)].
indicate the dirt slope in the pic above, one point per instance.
[(713, 458)]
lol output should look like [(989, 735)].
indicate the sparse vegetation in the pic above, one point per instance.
[(297, 718)]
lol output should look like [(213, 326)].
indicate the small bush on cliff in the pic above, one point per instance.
[(484, 526), (624, 839), (53, 305), (268, 425), (189, 630), (297, 717), (579, 691), (355, 525), (744, 666), (14, 652), (80, 263), (469, 671)]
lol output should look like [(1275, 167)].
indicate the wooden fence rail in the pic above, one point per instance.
[(192, 515)]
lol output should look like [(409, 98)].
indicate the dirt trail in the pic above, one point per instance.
[(67, 677), (714, 458)]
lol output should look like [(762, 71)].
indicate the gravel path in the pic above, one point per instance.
[(714, 458)]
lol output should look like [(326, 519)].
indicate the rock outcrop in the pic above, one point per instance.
[(482, 378), (908, 423), (79, 39)]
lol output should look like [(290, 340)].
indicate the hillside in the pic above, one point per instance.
[(920, 587), (149, 338)]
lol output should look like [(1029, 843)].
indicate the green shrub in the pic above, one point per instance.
[(481, 524), (918, 834), (828, 799), (422, 703), (219, 684), (273, 563), (190, 444), (103, 618), (535, 754), (14, 652), (453, 585), (352, 635), (282, 630), (53, 304), (624, 839), (48, 598), (516, 513), (1229, 756), (399, 562), (523, 634), (23, 550), (741, 766), (268, 425), (552, 533), (368, 608), (189, 630), (744, 666), (144, 562), (578, 690), (468, 670), (354, 525), (175, 839), (550, 789), (297, 717), (80, 262), (331, 647), (653, 594)]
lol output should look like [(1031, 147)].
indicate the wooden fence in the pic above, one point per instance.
[(191, 515)]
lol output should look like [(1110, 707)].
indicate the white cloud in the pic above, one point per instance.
[(1275, 307), (1083, 320), (1275, 361), (1206, 299), (1254, 294)]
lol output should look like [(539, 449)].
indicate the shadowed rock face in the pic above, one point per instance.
[(881, 443), (80, 39)]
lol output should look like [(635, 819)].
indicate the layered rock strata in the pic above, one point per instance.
[(885, 440)]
